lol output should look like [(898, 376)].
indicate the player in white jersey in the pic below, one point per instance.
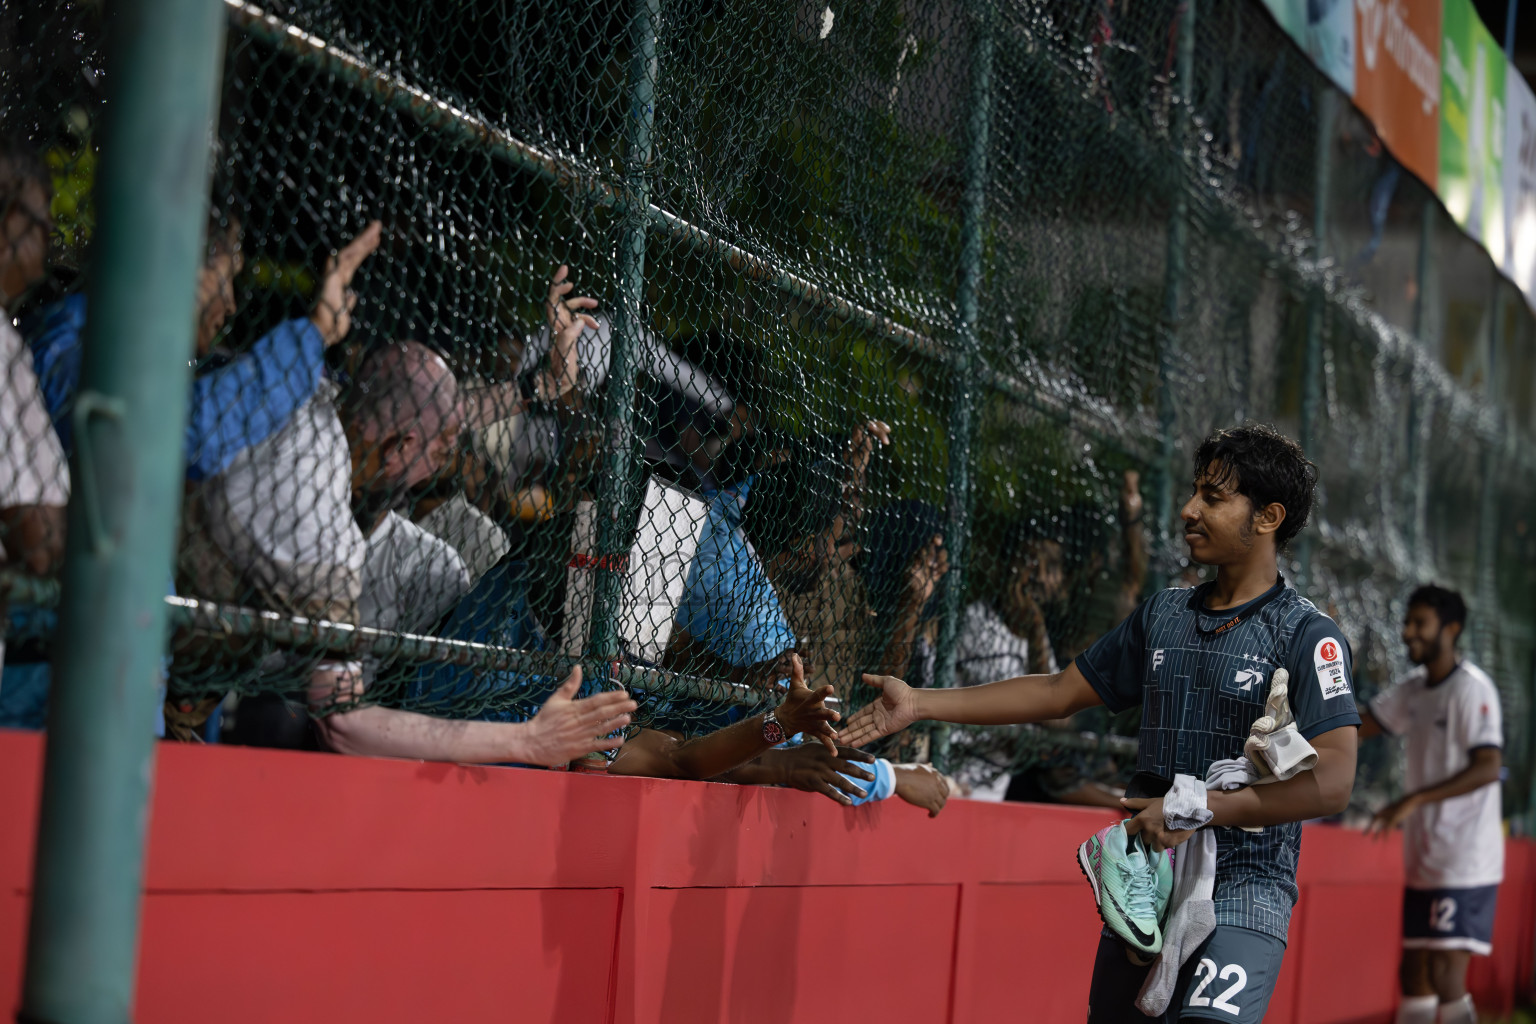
[(1447, 710)]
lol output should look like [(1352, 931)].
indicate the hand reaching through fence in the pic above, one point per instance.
[(566, 324), (568, 727), (332, 314)]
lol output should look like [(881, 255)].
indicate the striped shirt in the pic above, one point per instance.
[(1201, 678)]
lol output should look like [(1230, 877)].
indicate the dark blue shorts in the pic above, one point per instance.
[(1450, 918), (1230, 977)]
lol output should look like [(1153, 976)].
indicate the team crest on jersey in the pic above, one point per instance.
[(1246, 677), (1157, 659), (1328, 661)]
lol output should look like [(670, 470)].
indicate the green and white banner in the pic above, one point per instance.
[(1411, 65), (1472, 106)]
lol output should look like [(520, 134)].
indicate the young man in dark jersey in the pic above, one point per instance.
[(1199, 662)]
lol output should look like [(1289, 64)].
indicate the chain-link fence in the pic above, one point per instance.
[(907, 319)]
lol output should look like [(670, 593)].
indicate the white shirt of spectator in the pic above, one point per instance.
[(473, 534), (1456, 843), (987, 650), (33, 470), (282, 511), (411, 579)]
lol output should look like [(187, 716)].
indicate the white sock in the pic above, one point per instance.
[(1460, 1012), (1417, 1009)]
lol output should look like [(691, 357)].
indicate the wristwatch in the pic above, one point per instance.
[(773, 732)]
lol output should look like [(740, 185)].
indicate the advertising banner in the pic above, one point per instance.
[(1519, 256), (1325, 29), (1397, 78), (1472, 105)]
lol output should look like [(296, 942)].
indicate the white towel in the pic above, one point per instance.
[(1191, 919)]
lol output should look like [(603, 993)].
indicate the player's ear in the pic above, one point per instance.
[(1269, 518)]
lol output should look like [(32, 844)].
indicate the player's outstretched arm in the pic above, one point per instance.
[(1022, 699)]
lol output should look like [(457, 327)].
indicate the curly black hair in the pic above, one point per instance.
[(1447, 604), (1265, 467)]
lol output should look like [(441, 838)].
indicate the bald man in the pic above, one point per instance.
[(307, 519)]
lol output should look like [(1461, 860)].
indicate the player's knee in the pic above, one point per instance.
[(1448, 974)]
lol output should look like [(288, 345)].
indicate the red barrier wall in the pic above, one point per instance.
[(307, 887)]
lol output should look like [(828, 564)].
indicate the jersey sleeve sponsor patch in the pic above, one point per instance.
[(1328, 662)]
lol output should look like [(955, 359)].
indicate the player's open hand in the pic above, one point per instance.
[(1151, 826), (332, 315), (810, 768), (1390, 818), (566, 728), (804, 710), (892, 711)]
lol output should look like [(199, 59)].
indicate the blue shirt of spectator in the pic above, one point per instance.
[(232, 407), (729, 605)]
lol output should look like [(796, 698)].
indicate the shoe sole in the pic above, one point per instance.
[(1093, 883), (1138, 958)]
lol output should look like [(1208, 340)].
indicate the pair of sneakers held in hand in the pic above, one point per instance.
[(1131, 884)]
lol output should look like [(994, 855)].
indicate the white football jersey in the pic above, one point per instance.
[(1456, 843)]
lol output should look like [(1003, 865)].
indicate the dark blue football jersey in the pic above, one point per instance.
[(1201, 678)]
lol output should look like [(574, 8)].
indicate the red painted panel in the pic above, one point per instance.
[(1348, 947), (520, 954), (829, 954), (1033, 946), (13, 949), (293, 885)]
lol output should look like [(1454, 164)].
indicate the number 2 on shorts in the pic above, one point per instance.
[(1442, 914), (1223, 1002)]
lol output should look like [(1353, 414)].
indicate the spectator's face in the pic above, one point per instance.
[(1040, 567), (216, 295), (415, 459), (799, 568), (24, 241), (1423, 635)]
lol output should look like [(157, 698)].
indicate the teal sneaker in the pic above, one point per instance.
[(1125, 886), (1162, 867)]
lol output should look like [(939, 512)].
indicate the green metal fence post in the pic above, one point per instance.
[(163, 58), (1420, 405), (1174, 294), (618, 488), (1484, 628), (962, 411), (1317, 303)]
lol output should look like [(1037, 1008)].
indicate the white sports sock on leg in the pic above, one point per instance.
[(1460, 1012), (1417, 1009)]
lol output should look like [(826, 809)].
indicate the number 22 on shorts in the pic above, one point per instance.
[(1206, 972)]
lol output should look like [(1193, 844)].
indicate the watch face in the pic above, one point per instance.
[(773, 732)]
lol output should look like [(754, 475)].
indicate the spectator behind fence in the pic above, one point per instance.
[(236, 401), (903, 565), (34, 477), (298, 519), (464, 501), (1009, 636)]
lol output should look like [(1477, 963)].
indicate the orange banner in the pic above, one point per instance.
[(1397, 78)]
